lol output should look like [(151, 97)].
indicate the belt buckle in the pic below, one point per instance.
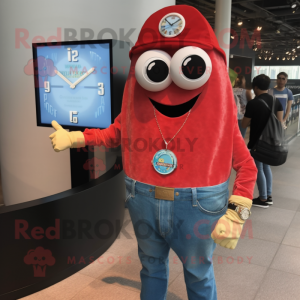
[(164, 193)]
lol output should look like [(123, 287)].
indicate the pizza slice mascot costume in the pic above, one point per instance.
[(180, 139)]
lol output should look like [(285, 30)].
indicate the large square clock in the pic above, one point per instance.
[(77, 83)]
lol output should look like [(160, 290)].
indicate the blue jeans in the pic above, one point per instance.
[(184, 225), (242, 130), (264, 179)]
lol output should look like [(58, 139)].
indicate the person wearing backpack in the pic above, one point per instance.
[(257, 115)]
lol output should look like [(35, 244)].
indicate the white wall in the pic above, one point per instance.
[(30, 168)]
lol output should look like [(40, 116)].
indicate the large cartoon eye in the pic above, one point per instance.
[(190, 68), (152, 70)]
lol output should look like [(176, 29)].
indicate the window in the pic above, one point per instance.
[(272, 71), (261, 70)]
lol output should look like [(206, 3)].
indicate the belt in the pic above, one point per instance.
[(164, 193), (172, 194)]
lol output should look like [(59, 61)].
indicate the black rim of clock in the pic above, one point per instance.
[(65, 43)]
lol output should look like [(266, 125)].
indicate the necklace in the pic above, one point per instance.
[(165, 161)]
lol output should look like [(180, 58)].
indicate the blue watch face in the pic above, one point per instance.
[(74, 84)]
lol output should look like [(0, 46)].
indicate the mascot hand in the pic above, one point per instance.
[(229, 228), (62, 139)]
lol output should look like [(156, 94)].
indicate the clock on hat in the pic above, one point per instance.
[(171, 25)]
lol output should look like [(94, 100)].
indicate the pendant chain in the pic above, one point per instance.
[(175, 133)]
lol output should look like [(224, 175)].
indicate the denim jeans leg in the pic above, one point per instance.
[(261, 180), (269, 178), (242, 130), (153, 250), (191, 239)]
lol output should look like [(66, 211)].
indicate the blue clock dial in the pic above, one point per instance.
[(74, 84)]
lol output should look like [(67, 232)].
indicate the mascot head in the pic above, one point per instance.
[(177, 64)]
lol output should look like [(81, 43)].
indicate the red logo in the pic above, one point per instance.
[(39, 258), (95, 165), (41, 68)]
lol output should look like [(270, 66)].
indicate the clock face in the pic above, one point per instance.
[(171, 25), (73, 84)]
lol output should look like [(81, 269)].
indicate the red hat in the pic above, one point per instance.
[(197, 32)]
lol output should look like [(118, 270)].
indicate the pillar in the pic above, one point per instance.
[(223, 25)]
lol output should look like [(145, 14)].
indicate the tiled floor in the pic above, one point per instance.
[(265, 264)]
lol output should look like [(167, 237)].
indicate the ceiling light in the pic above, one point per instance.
[(283, 58), (232, 36), (298, 47), (278, 29), (278, 57), (240, 22), (294, 50), (258, 24), (266, 57), (294, 4), (288, 58), (270, 57), (287, 52), (293, 58)]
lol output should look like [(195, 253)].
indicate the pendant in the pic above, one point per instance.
[(164, 162)]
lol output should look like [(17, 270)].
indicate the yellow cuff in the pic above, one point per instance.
[(242, 201), (77, 139)]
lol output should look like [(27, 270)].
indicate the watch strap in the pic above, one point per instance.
[(232, 206)]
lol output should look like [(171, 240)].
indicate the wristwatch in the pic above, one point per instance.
[(243, 212)]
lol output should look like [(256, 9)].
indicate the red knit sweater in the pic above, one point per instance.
[(208, 146)]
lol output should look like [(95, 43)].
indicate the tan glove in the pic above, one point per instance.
[(62, 139), (229, 228)]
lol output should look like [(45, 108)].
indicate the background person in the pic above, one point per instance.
[(242, 96), (258, 114), (283, 94)]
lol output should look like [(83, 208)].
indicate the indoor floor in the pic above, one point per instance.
[(265, 264)]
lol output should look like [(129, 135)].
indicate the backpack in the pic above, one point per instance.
[(271, 148)]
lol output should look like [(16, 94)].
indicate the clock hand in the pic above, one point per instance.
[(63, 77), (167, 27), (168, 22), (82, 77), (175, 22)]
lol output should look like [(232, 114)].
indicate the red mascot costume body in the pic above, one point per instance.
[(180, 139)]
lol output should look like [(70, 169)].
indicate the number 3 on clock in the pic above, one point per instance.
[(101, 89)]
